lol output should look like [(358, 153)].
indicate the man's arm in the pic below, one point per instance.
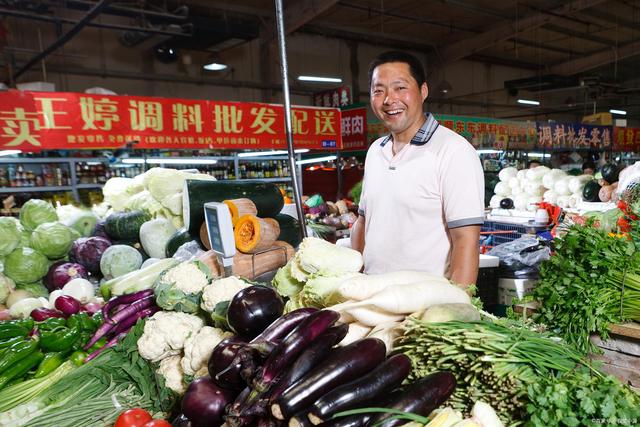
[(357, 234), (465, 258)]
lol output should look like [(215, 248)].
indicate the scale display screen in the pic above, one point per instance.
[(220, 229)]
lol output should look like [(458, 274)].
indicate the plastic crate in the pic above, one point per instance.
[(497, 233)]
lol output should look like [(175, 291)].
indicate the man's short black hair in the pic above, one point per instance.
[(589, 165), (534, 161), (415, 66)]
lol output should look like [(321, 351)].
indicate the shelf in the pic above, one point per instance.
[(88, 186), (261, 179), (34, 189)]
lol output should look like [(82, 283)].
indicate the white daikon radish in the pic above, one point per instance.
[(576, 183), (372, 316), (532, 203), (520, 202), (574, 200), (363, 287), (514, 183), (516, 190), (406, 299), (356, 332), (536, 174), (550, 196), (563, 201), (562, 186), (485, 415), (495, 201), (502, 189), (387, 332), (346, 317), (507, 173)]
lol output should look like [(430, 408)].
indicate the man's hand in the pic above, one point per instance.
[(464, 254), (357, 234)]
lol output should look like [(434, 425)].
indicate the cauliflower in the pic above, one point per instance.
[(180, 287), (198, 348), (172, 373), (165, 334), (221, 290)]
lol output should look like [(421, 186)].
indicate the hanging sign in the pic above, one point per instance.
[(354, 128), (338, 97), (572, 135), (35, 121), (491, 133), (626, 139)]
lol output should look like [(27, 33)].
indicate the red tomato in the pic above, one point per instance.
[(135, 417), (157, 423)]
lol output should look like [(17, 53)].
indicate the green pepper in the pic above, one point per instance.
[(15, 328), (59, 340), (98, 318), (83, 338), (49, 364), (77, 357), (52, 324), (9, 342), (98, 345), (21, 367), (86, 323), (17, 352)]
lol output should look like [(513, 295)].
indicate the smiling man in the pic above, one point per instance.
[(422, 201)]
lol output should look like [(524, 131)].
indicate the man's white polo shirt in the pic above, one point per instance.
[(412, 199)]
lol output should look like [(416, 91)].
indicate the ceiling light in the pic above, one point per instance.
[(215, 63), (9, 152), (316, 160), (170, 161), (445, 87), (528, 102), (620, 112), (319, 79), (488, 151), (271, 153), (538, 155)]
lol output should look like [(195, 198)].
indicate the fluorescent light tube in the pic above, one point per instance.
[(319, 79), (316, 160), (9, 152), (271, 153), (528, 102), (170, 161), (214, 66), (538, 155), (489, 151), (620, 112)]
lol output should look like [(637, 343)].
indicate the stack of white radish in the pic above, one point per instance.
[(375, 304), (528, 187)]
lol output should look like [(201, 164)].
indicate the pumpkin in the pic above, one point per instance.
[(253, 234), (240, 207)]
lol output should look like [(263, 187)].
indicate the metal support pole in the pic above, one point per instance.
[(297, 197)]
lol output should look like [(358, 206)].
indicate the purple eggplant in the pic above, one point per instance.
[(181, 421), (283, 325), (223, 367), (204, 402), (342, 366), (373, 385), (68, 305), (128, 323), (420, 397), (113, 341), (292, 345), (253, 309), (61, 272)]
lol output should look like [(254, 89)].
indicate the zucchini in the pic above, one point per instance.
[(180, 237), (289, 229), (137, 280), (125, 225), (266, 196)]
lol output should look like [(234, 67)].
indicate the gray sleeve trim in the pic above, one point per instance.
[(360, 211), (464, 222)]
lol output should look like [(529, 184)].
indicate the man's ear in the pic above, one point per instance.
[(424, 90)]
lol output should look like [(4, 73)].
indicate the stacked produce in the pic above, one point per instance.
[(324, 218), (526, 375)]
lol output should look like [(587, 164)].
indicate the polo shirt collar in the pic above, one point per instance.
[(423, 135)]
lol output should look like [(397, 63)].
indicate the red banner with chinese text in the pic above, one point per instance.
[(35, 121), (354, 128), (626, 139)]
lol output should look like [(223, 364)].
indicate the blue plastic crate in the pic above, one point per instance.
[(516, 231)]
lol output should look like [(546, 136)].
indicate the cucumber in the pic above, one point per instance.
[(265, 196), (289, 229), (125, 225), (180, 237)]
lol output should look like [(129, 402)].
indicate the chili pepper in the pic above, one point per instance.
[(9, 342), (98, 345), (52, 324), (21, 367), (15, 328), (77, 357), (49, 364), (16, 352), (59, 340)]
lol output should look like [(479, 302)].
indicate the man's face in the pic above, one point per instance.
[(396, 98)]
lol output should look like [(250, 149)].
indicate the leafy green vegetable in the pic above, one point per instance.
[(53, 239), (10, 232), (26, 265), (356, 192), (36, 212), (285, 284), (36, 289)]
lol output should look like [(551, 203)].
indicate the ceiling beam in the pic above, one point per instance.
[(579, 34), (476, 43), (613, 19), (551, 48), (596, 60)]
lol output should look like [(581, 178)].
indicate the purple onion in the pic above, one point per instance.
[(42, 314), (61, 272), (67, 305)]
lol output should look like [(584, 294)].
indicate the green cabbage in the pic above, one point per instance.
[(53, 239), (25, 239), (321, 290), (144, 201), (163, 182), (115, 192), (10, 230), (36, 289), (36, 212), (285, 284), (6, 286), (26, 265)]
